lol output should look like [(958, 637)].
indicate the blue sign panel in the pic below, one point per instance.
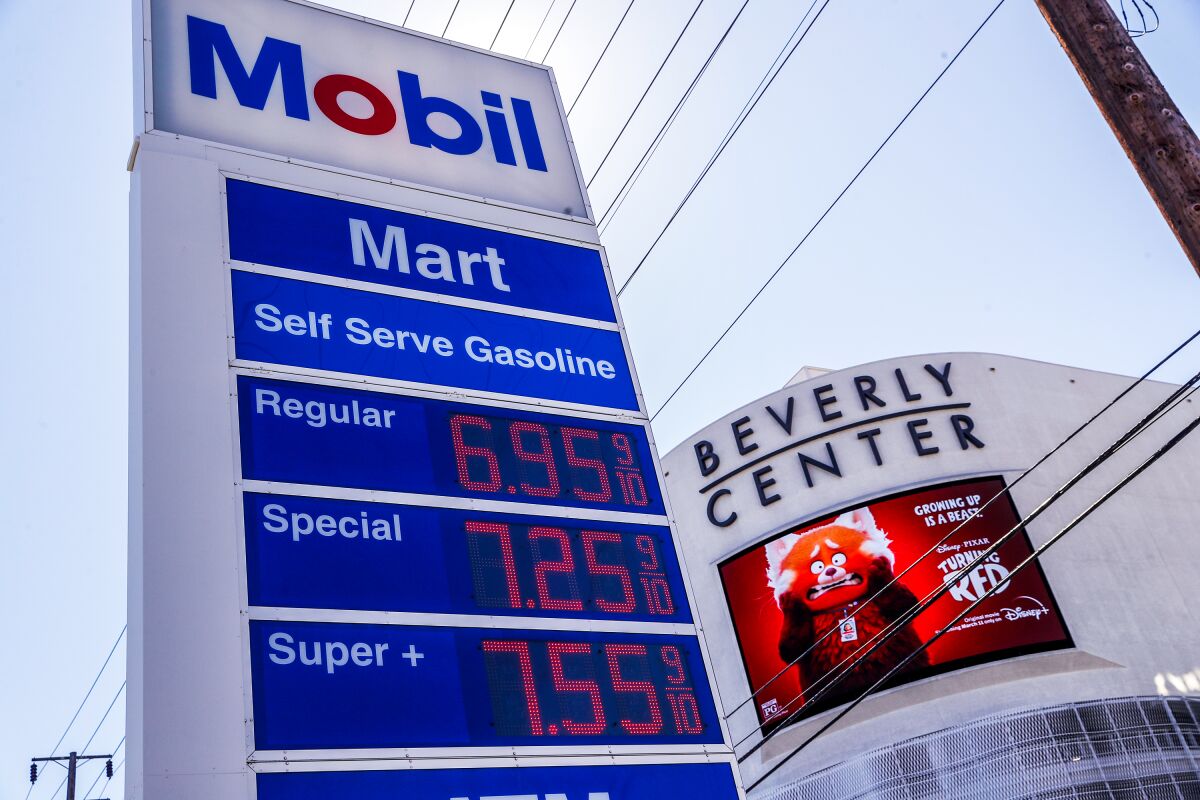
[(346, 686), (284, 228), (307, 552), (305, 433), (608, 782), (301, 324)]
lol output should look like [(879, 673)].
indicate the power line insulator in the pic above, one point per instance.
[(33, 773), (108, 768)]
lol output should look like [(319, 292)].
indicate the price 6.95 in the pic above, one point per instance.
[(546, 462)]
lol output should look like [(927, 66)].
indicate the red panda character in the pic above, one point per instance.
[(822, 576)]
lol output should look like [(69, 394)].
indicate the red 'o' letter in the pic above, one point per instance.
[(383, 113)]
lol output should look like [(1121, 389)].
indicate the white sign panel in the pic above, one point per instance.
[(315, 85)]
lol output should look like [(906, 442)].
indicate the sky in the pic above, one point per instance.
[(1003, 217)]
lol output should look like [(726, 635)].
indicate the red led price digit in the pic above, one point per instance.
[(686, 713), (658, 595), (521, 650), (654, 583), (633, 485), (556, 651), (624, 686), (569, 435), (645, 546), (619, 571), (506, 560), (463, 451), (633, 488), (621, 442), (674, 660), (565, 565), (545, 457), (684, 707)]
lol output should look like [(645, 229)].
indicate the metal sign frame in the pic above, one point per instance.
[(195, 164)]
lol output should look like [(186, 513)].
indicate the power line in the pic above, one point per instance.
[(1036, 554), (743, 115), (94, 732), (538, 33), (96, 680), (116, 769), (116, 697), (561, 25), (621, 194), (832, 205), (1145, 27), (879, 639), (511, 3), (595, 66), (650, 85), (895, 579), (104, 771), (453, 11), (408, 14)]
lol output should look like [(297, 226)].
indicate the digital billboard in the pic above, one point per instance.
[(787, 593)]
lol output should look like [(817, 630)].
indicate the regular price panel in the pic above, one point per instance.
[(332, 436)]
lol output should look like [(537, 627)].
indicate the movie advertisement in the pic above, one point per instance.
[(799, 601)]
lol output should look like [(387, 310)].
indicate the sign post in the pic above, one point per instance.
[(397, 521)]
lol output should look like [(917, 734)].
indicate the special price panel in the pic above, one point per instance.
[(327, 435), (307, 552), (347, 686)]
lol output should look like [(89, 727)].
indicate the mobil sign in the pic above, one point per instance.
[(315, 85)]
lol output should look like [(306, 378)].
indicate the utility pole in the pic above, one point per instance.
[(72, 766), (71, 770), (1156, 137)]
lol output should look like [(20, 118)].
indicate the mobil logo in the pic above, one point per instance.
[(321, 87), (252, 77)]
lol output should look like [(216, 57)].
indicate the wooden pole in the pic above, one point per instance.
[(72, 764), (1156, 137)]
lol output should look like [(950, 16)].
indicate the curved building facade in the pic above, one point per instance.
[(816, 519), (1128, 747)]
